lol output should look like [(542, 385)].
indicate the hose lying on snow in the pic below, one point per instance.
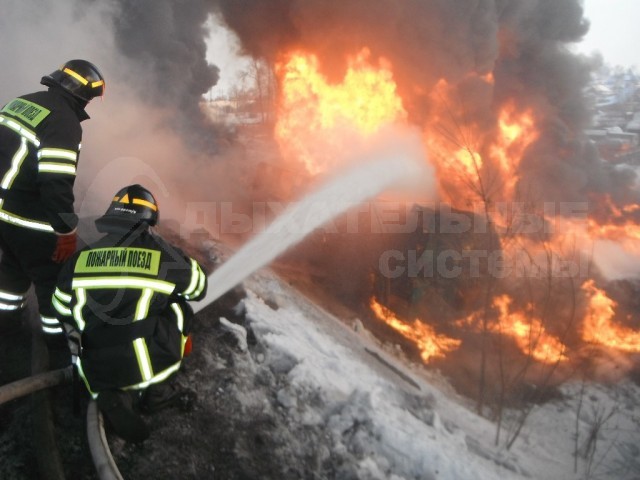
[(37, 382)]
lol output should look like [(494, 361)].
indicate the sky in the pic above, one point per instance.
[(613, 31), (223, 50)]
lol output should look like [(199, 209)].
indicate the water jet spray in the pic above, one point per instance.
[(364, 181)]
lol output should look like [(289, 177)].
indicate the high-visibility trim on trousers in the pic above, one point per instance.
[(10, 301), (51, 325)]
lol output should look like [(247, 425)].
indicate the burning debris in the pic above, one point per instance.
[(499, 101), (428, 341), (600, 327)]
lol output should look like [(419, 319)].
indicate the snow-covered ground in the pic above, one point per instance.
[(295, 393), (383, 418)]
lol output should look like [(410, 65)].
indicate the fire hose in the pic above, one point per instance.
[(49, 460), (35, 383), (103, 462)]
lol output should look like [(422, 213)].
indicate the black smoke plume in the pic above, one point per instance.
[(524, 44), (166, 43)]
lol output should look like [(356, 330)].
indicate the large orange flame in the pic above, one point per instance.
[(599, 327), (318, 121), (430, 343), (470, 157), (620, 225), (453, 145), (528, 333), (516, 132)]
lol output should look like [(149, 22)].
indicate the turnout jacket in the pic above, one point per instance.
[(40, 136), (125, 301)]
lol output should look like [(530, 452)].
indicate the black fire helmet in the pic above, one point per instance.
[(130, 207), (80, 78)]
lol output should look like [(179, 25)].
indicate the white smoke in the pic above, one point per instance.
[(130, 138)]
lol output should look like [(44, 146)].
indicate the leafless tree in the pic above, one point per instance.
[(486, 186)]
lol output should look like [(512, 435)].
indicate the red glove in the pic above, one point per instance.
[(188, 346), (65, 246)]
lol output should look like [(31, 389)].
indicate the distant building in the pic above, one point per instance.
[(615, 145), (615, 131)]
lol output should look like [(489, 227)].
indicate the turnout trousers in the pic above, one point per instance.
[(26, 260)]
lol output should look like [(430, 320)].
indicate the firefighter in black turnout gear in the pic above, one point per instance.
[(123, 303), (40, 136)]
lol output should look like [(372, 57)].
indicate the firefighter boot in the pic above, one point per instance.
[(117, 407), (161, 396)]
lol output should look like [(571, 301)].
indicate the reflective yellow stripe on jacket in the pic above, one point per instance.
[(57, 160)]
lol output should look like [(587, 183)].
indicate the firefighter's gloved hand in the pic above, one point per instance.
[(65, 246)]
